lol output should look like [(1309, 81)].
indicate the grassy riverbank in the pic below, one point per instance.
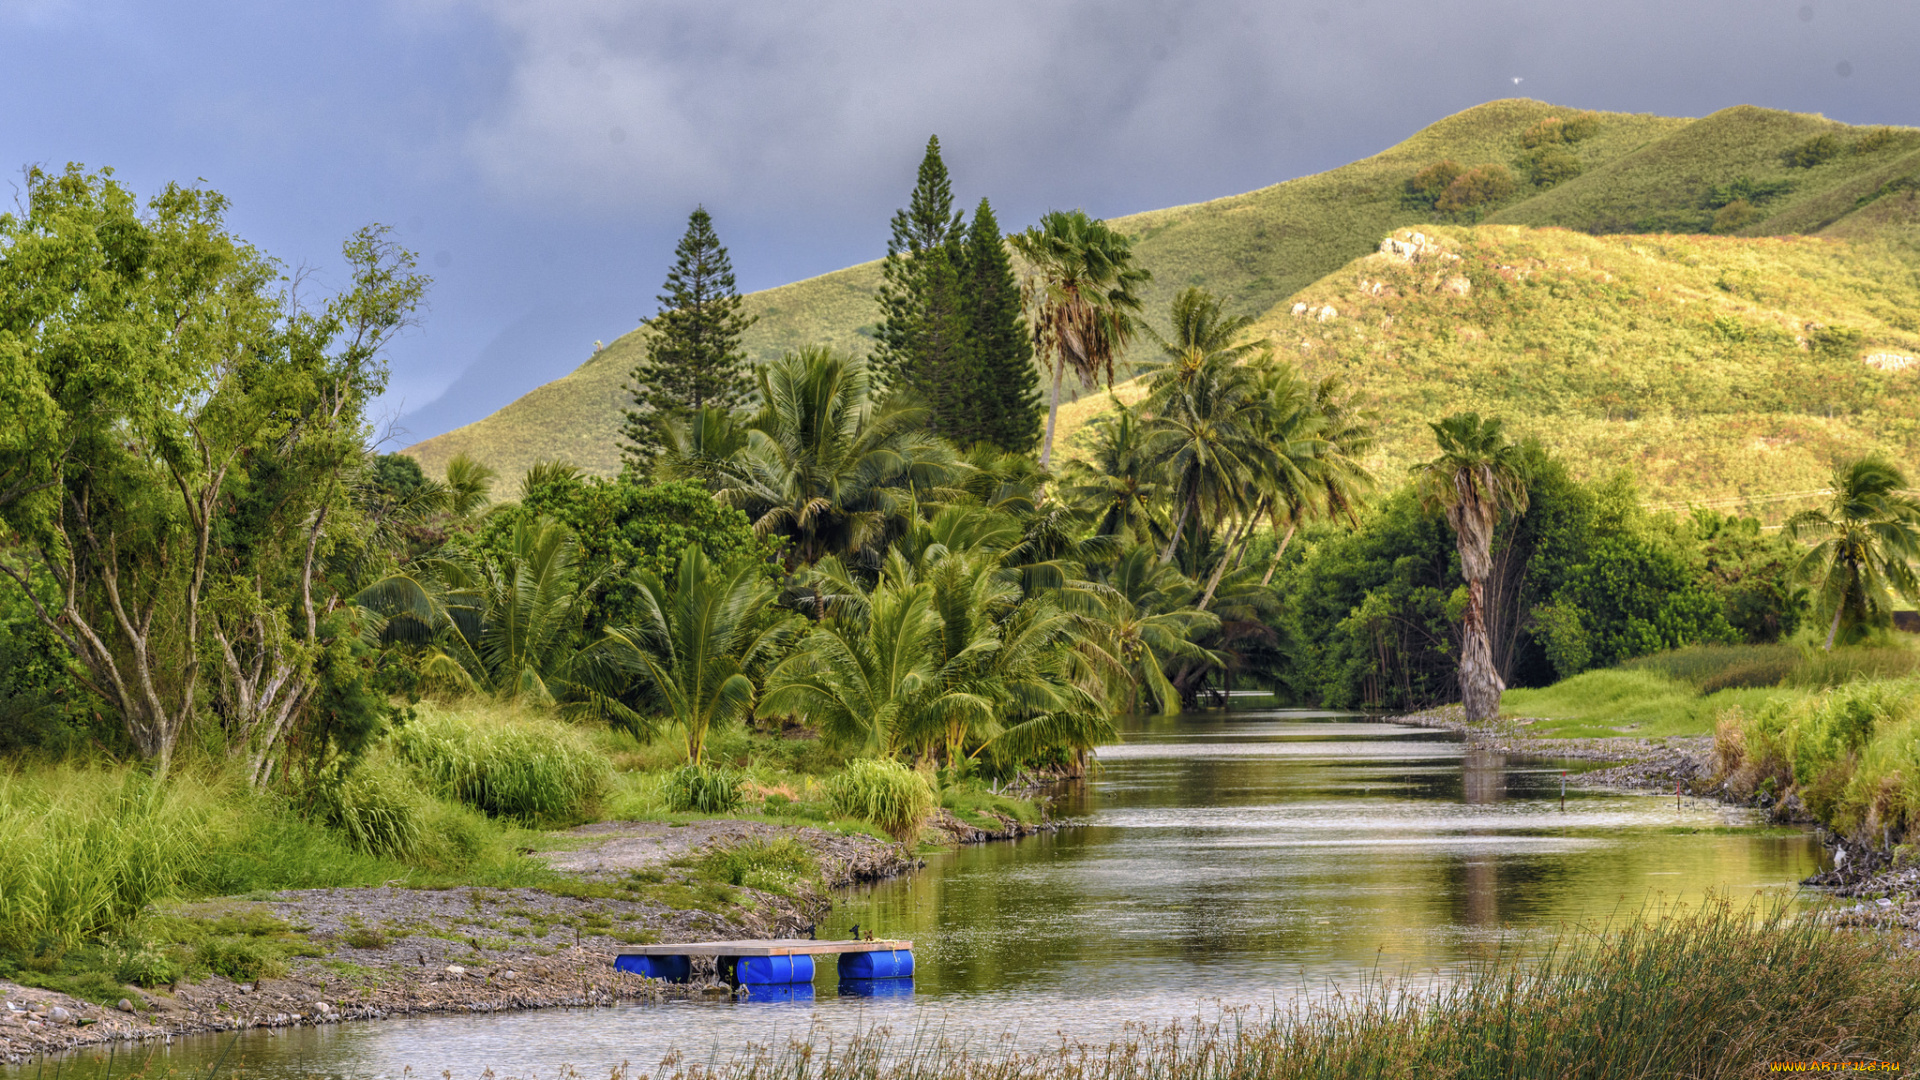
[(1717, 992), (1685, 692), (105, 862)]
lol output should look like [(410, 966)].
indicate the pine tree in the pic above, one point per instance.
[(923, 335), (694, 360), (1008, 407)]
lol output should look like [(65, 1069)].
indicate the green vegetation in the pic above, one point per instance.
[(1716, 992), (886, 793), (693, 357), (526, 769)]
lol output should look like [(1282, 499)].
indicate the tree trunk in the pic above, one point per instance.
[(1174, 541), (1220, 568), (1480, 684), (1834, 630), (1053, 412), (1275, 564)]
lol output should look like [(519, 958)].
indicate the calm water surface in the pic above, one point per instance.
[(1224, 859)]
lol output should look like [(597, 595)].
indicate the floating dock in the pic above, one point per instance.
[(776, 961)]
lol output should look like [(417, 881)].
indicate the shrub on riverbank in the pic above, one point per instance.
[(885, 793), (1851, 755), (1719, 992), (534, 770)]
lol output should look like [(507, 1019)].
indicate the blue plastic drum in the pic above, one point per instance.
[(670, 968), (756, 970), (889, 964)]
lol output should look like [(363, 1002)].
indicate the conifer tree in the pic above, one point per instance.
[(1008, 406), (923, 335), (694, 360)]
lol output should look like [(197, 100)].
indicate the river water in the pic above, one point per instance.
[(1223, 859)]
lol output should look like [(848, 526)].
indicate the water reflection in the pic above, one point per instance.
[(1224, 858)]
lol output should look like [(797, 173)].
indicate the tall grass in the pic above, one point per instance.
[(86, 850), (532, 770), (883, 793), (1851, 755), (1720, 992)]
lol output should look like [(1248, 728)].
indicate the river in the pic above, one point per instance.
[(1220, 859)]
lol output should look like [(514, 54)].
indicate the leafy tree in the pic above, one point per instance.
[(624, 528), (1477, 187), (703, 636), (1207, 441), (1476, 479), (694, 360), (193, 436), (925, 340), (1082, 298), (1006, 395), (1864, 543)]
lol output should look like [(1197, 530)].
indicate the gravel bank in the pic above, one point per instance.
[(392, 951)]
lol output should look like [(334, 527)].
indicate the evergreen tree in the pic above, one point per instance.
[(693, 360), (1008, 406), (924, 344)]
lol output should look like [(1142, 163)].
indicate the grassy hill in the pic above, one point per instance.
[(1635, 173), (1712, 367)]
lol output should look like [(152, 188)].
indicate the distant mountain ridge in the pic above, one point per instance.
[(1792, 174)]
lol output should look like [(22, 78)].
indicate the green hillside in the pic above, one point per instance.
[(1634, 173), (1713, 367)]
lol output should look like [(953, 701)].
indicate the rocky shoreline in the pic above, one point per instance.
[(393, 952)]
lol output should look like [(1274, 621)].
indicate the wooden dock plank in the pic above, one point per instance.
[(765, 947)]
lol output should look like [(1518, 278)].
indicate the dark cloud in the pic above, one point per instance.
[(543, 153)]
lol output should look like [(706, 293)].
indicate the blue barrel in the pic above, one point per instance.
[(756, 970), (886, 964), (876, 988), (670, 968)]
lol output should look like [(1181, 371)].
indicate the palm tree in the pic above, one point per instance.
[(1864, 542), (702, 640), (1141, 619), (1338, 479), (825, 465), (872, 678), (1201, 328), (1082, 296), (1115, 487), (1477, 477), (1206, 438)]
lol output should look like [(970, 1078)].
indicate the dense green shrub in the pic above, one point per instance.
[(1425, 187), (1815, 151), (1478, 187), (782, 865), (376, 806), (883, 793), (1557, 131), (536, 771), (704, 789)]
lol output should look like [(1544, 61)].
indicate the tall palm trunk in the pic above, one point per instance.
[(1220, 568), (1275, 564), (1053, 412), (1480, 682), (1174, 541)]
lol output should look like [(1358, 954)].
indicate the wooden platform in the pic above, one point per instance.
[(765, 947)]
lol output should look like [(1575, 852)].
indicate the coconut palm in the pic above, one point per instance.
[(1864, 542), (828, 467), (1291, 430), (1199, 327), (1081, 295), (1206, 438), (1477, 477), (1339, 477), (1139, 619), (703, 639), (1114, 487)]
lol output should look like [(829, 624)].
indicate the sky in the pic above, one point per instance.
[(542, 156)]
